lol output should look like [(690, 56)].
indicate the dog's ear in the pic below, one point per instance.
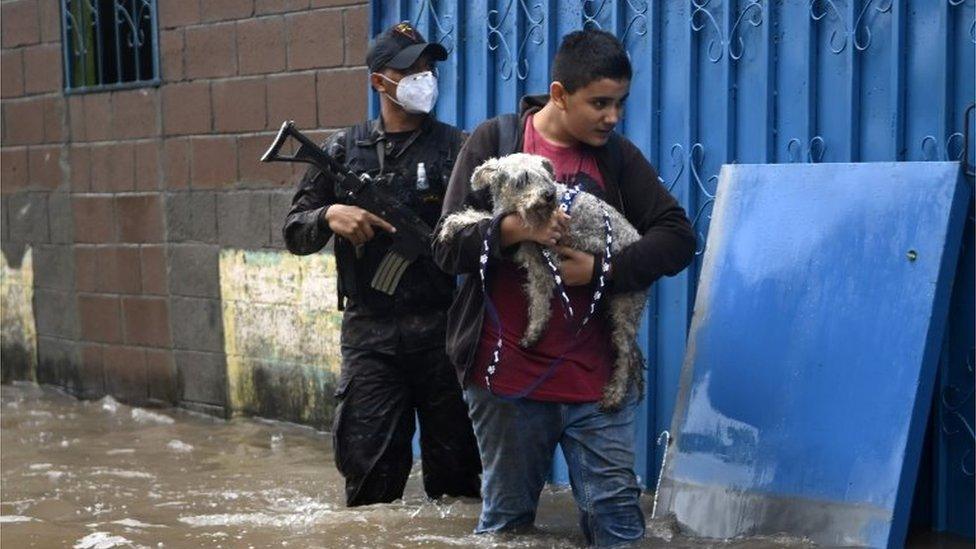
[(548, 166), (484, 174)]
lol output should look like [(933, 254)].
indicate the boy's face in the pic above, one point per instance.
[(591, 112)]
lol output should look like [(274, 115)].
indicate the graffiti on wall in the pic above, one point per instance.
[(18, 333), (281, 333)]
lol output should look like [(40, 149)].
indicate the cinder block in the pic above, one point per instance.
[(176, 163), (86, 268), (125, 373), (79, 163), (60, 218), (178, 13), (161, 375), (91, 371), (147, 174), (100, 318), (13, 169), (4, 219), (280, 204), (135, 113), (118, 270), (194, 270), (333, 3), (262, 7), (261, 45), (315, 39), (210, 51), (192, 216), (76, 118), (342, 97), (28, 217), (171, 54), (254, 173), (243, 219), (57, 361), (154, 270), (42, 68), (45, 167), (113, 167), (140, 218), (356, 24), (19, 23), (50, 13), (186, 108), (145, 321), (213, 162), (239, 105), (11, 73), (224, 10), (98, 116), (54, 267), (29, 114), (94, 219), (202, 377), (197, 324), (55, 313), (292, 97), (53, 108)]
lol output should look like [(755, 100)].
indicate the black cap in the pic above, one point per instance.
[(399, 47)]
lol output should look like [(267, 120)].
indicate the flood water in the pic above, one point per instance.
[(99, 474)]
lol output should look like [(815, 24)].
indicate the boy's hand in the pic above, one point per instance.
[(354, 223), (576, 267), (515, 230)]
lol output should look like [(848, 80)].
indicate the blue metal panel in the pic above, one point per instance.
[(795, 92), (952, 491), (813, 351), (726, 81), (678, 110)]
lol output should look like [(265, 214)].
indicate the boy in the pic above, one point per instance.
[(573, 127)]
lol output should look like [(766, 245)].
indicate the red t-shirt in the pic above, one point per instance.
[(585, 366)]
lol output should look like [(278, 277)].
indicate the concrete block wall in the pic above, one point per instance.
[(126, 198)]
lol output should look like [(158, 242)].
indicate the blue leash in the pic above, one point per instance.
[(566, 203)]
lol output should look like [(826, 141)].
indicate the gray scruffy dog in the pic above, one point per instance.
[(525, 184)]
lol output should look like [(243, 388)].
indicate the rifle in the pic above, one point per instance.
[(412, 238)]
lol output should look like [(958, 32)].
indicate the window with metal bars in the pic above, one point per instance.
[(109, 44)]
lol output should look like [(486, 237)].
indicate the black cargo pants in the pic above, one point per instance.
[(379, 396)]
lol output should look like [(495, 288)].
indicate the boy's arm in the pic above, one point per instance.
[(667, 243), (461, 252), (306, 230)]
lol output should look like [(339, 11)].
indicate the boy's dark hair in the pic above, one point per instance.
[(588, 55)]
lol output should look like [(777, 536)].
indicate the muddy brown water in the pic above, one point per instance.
[(99, 474)]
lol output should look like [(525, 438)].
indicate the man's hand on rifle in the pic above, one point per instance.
[(354, 223)]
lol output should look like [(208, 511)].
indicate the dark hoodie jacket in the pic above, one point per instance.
[(632, 186)]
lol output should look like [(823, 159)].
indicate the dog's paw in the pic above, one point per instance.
[(609, 405), (612, 399), (453, 223)]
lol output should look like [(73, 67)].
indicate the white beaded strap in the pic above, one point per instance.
[(496, 354), (565, 205)]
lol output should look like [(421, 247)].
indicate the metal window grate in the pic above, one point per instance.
[(109, 44)]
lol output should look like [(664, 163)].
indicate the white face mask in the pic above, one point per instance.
[(416, 93)]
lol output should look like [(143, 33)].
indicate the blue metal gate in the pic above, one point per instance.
[(746, 81)]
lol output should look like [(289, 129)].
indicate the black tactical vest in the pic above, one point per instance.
[(395, 166)]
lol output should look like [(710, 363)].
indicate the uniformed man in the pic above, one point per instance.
[(394, 367)]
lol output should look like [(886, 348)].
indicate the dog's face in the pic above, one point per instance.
[(520, 183)]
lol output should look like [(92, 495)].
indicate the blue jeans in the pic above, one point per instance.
[(517, 440)]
